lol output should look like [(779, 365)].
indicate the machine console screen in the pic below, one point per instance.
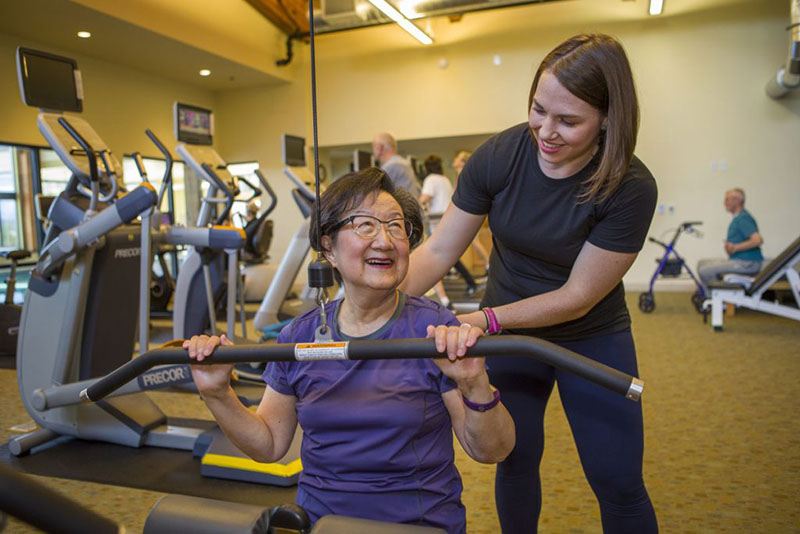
[(50, 82)]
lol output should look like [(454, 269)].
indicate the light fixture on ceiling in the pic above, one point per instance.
[(84, 34), (656, 7), (205, 72), (404, 23)]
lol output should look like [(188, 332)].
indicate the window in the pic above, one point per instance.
[(11, 230), (155, 173), (54, 174)]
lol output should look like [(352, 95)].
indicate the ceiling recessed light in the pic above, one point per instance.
[(84, 34), (656, 7), (205, 72)]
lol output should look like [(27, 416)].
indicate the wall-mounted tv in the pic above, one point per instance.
[(193, 125), (293, 150)]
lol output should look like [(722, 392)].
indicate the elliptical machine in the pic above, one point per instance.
[(79, 317), (155, 236), (194, 310), (257, 271), (72, 325), (258, 231)]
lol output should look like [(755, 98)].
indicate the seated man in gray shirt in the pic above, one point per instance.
[(384, 148)]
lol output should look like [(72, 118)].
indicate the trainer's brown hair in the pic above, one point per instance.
[(595, 68)]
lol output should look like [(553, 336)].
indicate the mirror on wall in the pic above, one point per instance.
[(339, 159)]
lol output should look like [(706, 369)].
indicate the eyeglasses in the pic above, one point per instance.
[(368, 226)]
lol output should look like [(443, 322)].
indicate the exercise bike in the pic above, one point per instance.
[(671, 265), (10, 312)]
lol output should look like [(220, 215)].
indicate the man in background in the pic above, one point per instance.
[(384, 149), (743, 243)]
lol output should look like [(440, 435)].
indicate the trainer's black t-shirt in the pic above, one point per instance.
[(539, 226)]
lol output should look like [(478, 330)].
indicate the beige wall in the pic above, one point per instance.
[(119, 102), (249, 127)]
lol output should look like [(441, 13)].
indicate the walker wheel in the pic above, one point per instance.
[(697, 301), (646, 302)]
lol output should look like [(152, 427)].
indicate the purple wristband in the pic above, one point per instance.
[(492, 324), (482, 407)]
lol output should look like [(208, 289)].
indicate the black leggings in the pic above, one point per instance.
[(607, 429)]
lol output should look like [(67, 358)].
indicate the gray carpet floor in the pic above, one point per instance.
[(721, 428)]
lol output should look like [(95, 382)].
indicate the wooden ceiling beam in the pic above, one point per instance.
[(290, 16)]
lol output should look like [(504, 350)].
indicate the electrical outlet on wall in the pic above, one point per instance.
[(665, 209), (719, 165)]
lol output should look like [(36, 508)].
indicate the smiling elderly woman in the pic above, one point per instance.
[(377, 435)]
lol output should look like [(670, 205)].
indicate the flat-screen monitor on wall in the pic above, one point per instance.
[(47, 81), (361, 160), (193, 125), (293, 150)]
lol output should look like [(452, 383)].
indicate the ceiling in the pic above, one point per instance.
[(291, 16), (241, 40), (55, 23)]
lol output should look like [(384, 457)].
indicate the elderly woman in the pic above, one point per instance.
[(377, 435)]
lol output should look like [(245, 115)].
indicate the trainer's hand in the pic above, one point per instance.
[(211, 380), (455, 340)]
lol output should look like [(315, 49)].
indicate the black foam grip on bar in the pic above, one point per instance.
[(134, 203), (182, 513), (47, 510), (520, 346)]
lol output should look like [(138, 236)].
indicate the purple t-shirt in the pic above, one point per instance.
[(377, 437)]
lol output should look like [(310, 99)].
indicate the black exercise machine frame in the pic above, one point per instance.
[(507, 345)]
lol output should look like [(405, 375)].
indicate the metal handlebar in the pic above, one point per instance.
[(91, 155), (112, 176), (270, 192), (230, 195), (525, 346), (256, 190), (137, 158), (167, 178)]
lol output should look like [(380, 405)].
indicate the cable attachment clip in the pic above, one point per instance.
[(320, 276), (323, 333)]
